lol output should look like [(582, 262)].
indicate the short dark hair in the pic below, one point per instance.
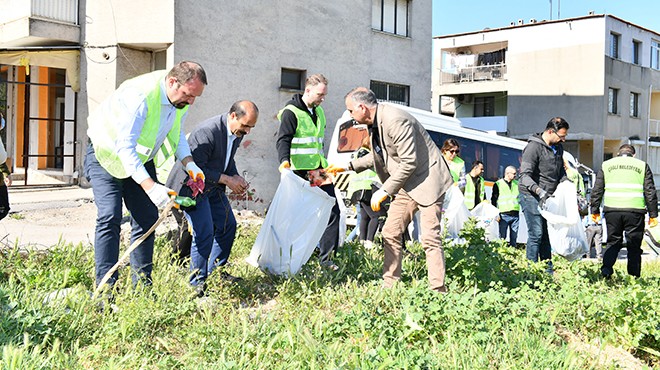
[(186, 71), (476, 163), (239, 108), (556, 123), (626, 149)]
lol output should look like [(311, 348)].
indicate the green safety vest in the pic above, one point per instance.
[(361, 181), (470, 190), (624, 183), (102, 130), (508, 198), (456, 166), (307, 144)]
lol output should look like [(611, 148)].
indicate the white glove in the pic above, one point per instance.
[(377, 198), (160, 195), (194, 171)]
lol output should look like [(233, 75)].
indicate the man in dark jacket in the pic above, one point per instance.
[(213, 145), (300, 148), (625, 186), (541, 170)]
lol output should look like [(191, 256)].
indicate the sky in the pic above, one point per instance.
[(453, 16)]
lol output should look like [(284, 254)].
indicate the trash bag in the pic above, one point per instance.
[(565, 228), (486, 215), (293, 226), (455, 211)]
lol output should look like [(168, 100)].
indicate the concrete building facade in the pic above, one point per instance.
[(260, 51), (599, 72)]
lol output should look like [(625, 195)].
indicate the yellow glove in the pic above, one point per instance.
[(195, 172), (377, 198), (284, 165), (653, 222), (334, 169), (595, 218), (485, 201)]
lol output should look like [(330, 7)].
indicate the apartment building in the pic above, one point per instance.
[(59, 59), (599, 72)]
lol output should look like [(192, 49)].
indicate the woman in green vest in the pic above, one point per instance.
[(450, 150)]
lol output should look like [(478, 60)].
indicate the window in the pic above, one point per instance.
[(655, 54), (390, 16), (636, 47), (393, 93), (614, 45), (484, 106), (634, 105), (292, 79), (612, 104), (495, 157)]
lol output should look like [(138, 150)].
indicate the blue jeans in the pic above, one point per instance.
[(510, 223), (538, 243), (214, 229), (109, 192)]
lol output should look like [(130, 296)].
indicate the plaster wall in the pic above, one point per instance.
[(244, 45)]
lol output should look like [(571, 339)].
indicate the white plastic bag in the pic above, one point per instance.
[(455, 211), (565, 229), (486, 215), (293, 226)]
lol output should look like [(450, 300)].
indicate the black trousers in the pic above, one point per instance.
[(4, 201), (633, 225)]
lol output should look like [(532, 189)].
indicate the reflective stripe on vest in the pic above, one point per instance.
[(470, 190), (102, 130), (456, 166), (624, 183), (508, 198), (307, 143)]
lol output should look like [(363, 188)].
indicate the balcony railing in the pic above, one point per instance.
[(58, 10), (472, 74)]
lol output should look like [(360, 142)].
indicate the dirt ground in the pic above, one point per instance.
[(44, 225)]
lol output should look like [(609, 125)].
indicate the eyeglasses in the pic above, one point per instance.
[(560, 136), (455, 151)]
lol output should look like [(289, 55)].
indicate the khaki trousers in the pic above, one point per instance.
[(399, 217)]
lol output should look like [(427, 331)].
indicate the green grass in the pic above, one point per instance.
[(501, 313)]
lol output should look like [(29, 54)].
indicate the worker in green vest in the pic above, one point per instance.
[(136, 129), (624, 185), (505, 198), (475, 191), (300, 148), (450, 150), (360, 189)]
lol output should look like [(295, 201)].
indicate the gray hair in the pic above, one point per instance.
[(362, 95), (510, 168)]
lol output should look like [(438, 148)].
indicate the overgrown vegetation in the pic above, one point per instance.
[(501, 313)]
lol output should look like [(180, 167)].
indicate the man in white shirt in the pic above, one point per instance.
[(136, 129)]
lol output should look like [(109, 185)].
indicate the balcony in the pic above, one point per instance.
[(473, 74), (39, 23)]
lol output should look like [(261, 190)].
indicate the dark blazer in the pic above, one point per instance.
[(410, 159), (208, 144)]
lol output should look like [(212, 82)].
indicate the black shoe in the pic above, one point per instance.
[(230, 278), (199, 290), (330, 266)]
